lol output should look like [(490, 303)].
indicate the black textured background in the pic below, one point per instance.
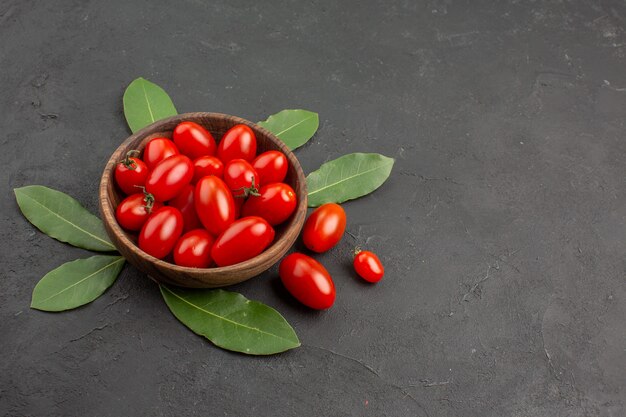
[(502, 227)]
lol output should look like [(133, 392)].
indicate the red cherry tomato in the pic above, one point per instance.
[(184, 202), (241, 178), (193, 249), (169, 177), (157, 150), (271, 167), (238, 142), (193, 140), (307, 280), (324, 227), (368, 266), (131, 174), (207, 165), (134, 210), (242, 240), (275, 203), (214, 204), (161, 231)]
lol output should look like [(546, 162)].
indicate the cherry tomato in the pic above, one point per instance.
[(238, 142), (131, 174), (157, 150), (368, 266), (207, 165), (275, 203), (184, 202), (214, 204), (324, 227), (307, 280), (193, 249), (242, 240), (161, 231), (193, 140), (271, 167), (169, 177), (241, 178), (134, 210)]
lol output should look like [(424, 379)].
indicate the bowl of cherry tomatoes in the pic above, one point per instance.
[(203, 200)]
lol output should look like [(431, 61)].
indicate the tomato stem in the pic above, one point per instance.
[(248, 191), (147, 198), (357, 250), (129, 163)]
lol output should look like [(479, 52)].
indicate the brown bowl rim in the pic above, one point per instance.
[(108, 212)]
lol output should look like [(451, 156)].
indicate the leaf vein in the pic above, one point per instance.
[(70, 223), (145, 94), (225, 319), (295, 125), (326, 185), (78, 282)]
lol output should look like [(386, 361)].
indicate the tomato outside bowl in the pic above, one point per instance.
[(164, 272)]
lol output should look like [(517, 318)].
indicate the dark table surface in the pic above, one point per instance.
[(502, 227)]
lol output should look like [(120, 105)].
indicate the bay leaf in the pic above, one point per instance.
[(231, 321), (76, 283), (145, 103), (60, 216), (348, 177), (294, 127)]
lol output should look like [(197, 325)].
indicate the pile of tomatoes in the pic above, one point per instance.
[(200, 204), (307, 279)]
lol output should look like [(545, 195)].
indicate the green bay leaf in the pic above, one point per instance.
[(60, 216), (76, 283), (294, 127), (348, 177), (231, 321), (145, 103)]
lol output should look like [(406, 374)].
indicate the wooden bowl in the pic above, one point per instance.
[(168, 273)]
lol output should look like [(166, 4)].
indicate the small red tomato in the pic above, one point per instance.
[(368, 266), (193, 140), (242, 240), (131, 173), (161, 231), (307, 280), (241, 178), (238, 142), (214, 204), (193, 249), (134, 210), (169, 177), (184, 202), (271, 167), (207, 165), (324, 227), (275, 203), (157, 150)]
